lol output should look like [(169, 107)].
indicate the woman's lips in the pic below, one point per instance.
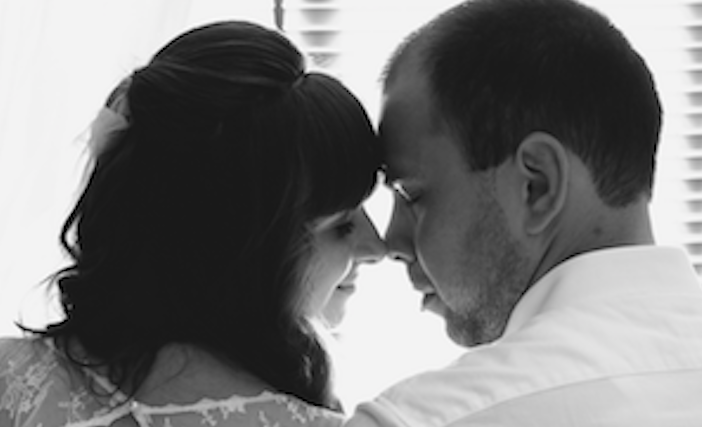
[(346, 287)]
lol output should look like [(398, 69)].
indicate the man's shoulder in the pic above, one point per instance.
[(560, 349), (437, 397)]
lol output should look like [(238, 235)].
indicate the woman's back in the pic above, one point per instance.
[(38, 387)]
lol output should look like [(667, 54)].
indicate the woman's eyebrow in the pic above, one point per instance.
[(327, 221)]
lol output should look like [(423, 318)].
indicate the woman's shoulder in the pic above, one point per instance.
[(36, 386), (27, 369), (302, 413), (273, 409), (17, 353), (267, 409), (192, 386)]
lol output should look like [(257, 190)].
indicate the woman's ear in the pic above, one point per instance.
[(543, 163)]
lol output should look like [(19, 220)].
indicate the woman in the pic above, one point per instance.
[(220, 215)]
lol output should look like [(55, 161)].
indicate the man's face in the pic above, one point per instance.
[(448, 224)]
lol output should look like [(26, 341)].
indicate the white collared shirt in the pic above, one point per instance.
[(608, 338)]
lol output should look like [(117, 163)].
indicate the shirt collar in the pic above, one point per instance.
[(605, 273)]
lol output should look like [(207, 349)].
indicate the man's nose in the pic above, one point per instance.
[(398, 236), (371, 247)]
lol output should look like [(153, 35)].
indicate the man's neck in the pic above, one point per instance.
[(600, 228)]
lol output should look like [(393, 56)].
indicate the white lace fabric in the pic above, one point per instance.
[(36, 390)]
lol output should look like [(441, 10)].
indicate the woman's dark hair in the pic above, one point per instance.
[(192, 227)]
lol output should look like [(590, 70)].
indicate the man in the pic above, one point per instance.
[(520, 138)]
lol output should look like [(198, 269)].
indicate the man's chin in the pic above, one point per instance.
[(470, 332)]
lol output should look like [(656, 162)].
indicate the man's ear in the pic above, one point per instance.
[(543, 164)]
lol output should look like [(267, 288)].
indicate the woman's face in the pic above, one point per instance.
[(340, 243)]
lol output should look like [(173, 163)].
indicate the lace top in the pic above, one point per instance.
[(37, 390)]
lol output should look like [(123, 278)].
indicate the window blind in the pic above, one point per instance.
[(691, 144), (316, 27)]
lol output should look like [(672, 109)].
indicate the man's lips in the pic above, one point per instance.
[(420, 281), (430, 302)]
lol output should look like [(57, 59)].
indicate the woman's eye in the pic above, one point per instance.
[(345, 228)]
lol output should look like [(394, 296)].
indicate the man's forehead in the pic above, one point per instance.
[(390, 134), (406, 125), (401, 158), (397, 114)]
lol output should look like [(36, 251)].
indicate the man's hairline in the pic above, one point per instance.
[(412, 53)]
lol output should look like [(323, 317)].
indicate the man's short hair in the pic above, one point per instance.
[(501, 69)]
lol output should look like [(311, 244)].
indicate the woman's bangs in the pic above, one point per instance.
[(343, 148)]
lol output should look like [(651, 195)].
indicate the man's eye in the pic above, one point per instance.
[(403, 193)]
